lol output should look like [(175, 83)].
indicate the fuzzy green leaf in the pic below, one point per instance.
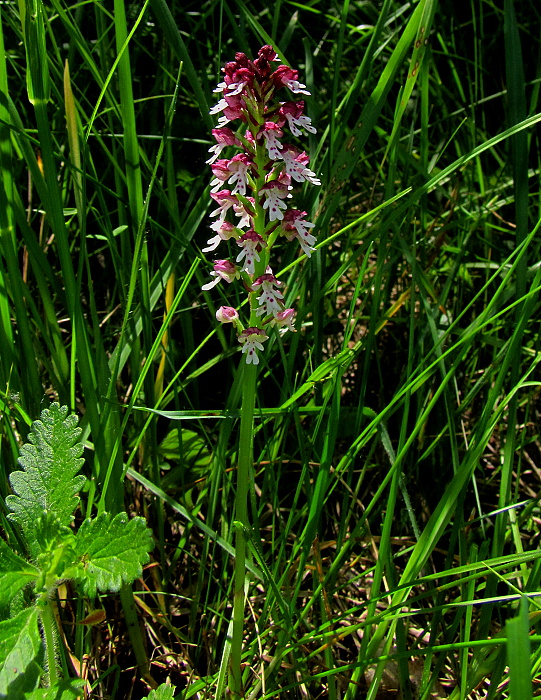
[(65, 690), (50, 534), (50, 461), (15, 573), (20, 644), (111, 552), (162, 692)]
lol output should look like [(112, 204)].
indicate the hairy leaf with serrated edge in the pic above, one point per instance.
[(65, 690), (50, 462), (162, 692), (20, 643), (15, 573), (111, 551)]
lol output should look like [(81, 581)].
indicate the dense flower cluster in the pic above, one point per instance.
[(253, 186)]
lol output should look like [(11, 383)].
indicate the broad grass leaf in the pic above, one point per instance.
[(518, 653), (15, 573), (111, 551), (50, 461), (20, 645)]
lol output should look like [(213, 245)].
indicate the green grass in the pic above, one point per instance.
[(396, 477)]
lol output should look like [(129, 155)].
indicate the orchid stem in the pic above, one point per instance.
[(244, 474)]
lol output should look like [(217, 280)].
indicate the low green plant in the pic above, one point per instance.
[(104, 553)]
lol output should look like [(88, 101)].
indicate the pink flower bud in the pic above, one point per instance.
[(227, 314), (265, 55)]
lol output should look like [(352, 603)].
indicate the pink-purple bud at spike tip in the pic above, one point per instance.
[(252, 186)]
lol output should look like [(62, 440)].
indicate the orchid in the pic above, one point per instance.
[(294, 227), (224, 137), (251, 339), (293, 113), (254, 184), (271, 299), (224, 231), (251, 243), (223, 270)]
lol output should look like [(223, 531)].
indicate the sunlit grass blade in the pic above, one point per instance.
[(518, 654)]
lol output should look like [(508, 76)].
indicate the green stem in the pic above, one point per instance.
[(246, 440), (134, 632), (47, 621), (244, 470)]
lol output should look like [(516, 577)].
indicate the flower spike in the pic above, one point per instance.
[(254, 185)]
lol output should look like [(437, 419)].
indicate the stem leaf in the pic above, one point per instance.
[(20, 643), (15, 573), (65, 690), (111, 552), (162, 692)]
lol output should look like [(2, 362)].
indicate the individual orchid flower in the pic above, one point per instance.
[(292, 112), (295, 227), (224, 137), (223, 270), (271, 299), (221, 173), (232, 106), (295, 164), (271, 133), (251, 244), (225, 200), (238, 168), (240, 79), (245, 212), (285, 76), (224, 230), (284, 320), (275, 193), (251, 340)]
